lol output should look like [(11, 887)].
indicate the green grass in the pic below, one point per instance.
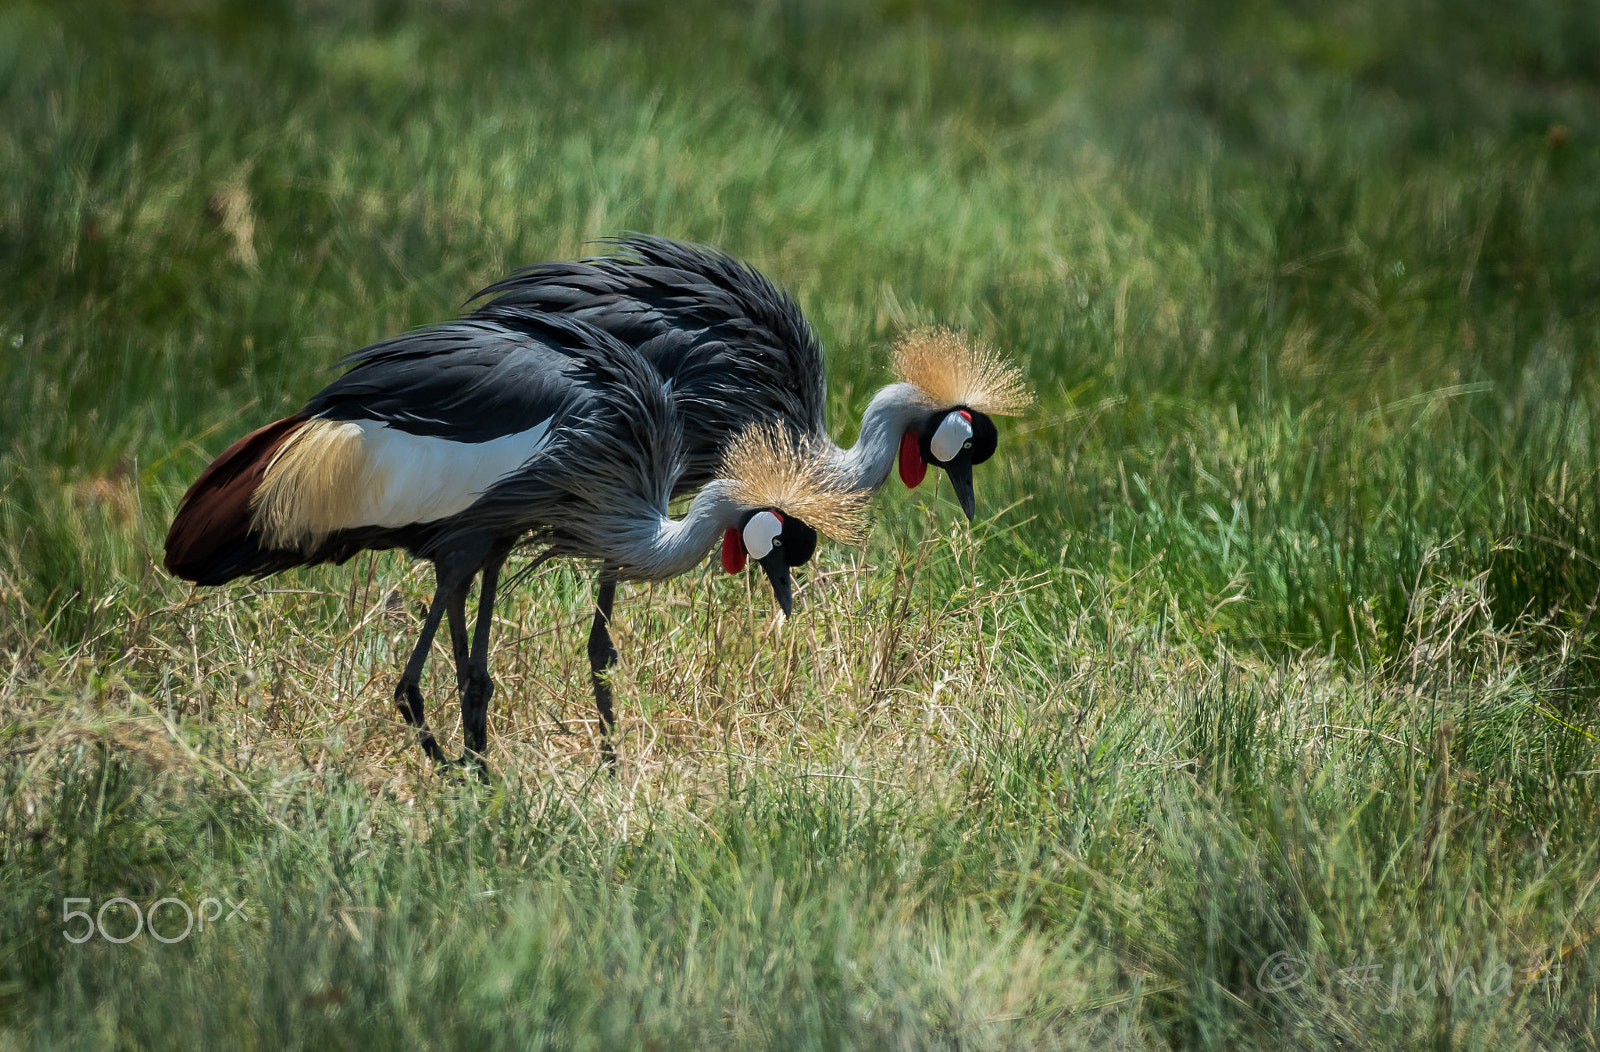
[(1275, 637)]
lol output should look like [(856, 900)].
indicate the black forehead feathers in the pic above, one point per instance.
[(985, 437), (799, 541)]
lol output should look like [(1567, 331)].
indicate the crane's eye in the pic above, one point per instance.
[(984, 437)]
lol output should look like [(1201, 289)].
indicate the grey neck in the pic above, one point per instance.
[(656, 548), (649, 546), (890, 414)]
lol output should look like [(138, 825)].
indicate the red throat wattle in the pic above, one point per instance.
[(732, 551), (912, 467)]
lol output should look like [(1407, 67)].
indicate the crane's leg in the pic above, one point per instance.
[(408, 693), (456, 612), (455, 609), (602, 656), (452, 571), (478, 688)]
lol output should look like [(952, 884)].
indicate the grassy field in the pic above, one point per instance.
[(1257, 710)]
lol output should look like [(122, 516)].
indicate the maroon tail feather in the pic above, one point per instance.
[(210, 540)]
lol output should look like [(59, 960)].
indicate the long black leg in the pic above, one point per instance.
[(602, 656), (408, 692), (455, 609), (478, 687), (453, 569)]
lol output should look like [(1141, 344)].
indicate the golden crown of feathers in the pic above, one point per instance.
[(953, 369), (772, 468)]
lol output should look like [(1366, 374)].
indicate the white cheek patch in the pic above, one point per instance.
[(759, 533), (954, 432)]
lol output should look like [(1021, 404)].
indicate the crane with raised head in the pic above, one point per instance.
[(736, 349), (457, 443)]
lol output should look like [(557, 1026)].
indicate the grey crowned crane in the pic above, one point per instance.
[(459, 442), (736, 349)]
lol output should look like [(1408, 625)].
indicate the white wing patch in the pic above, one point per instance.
[(954, 432), (417, 478), (759, 533)]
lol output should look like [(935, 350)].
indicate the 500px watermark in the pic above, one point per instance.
[(195, 919)]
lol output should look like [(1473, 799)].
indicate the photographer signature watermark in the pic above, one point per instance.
[(123, 928), (1284, 971)]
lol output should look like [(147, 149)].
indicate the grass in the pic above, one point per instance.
[(1257, 710)]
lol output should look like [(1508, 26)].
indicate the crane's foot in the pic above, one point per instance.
[(467, 767), (608, 756)]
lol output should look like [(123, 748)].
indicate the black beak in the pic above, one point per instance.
[(778, 574), (960, 472)]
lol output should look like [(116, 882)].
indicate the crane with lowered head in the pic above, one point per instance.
[(458, 442)]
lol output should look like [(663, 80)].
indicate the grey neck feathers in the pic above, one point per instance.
[(654, 549), (890, 414)]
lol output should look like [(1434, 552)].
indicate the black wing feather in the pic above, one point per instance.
[(467, 381), (734, 347)]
